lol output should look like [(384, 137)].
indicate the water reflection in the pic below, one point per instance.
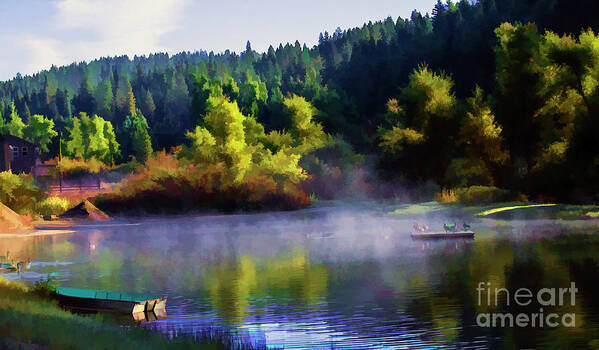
[(332, 277), (235, 284)]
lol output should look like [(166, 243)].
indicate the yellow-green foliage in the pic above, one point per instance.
[(40, 131), (203, 144), (276, 140), (75, 167), (432, 95), (480, 133), (428, 99), (226, 124), (15, 125), (484, 195), (230, 164), (19, 193), (283, 165), (92, 137), (555, 153), (240, 142), (567, 52), (52, 206), (515, 42), (308, 133), (254, 131), (480, 136), (395, 139)]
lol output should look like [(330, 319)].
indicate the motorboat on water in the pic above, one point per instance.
[(450, 231)]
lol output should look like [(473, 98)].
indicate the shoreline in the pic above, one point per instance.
[(35, 233)]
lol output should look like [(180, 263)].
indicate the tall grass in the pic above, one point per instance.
[(446, 196), (475, 195), (30, 320)]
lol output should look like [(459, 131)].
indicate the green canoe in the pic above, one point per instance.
[(101, 300)]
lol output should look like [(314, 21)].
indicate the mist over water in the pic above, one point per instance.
[(347, 277)]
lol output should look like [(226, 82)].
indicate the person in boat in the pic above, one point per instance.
[(417, 227), (450, 227), (421, 228), (466, 227)]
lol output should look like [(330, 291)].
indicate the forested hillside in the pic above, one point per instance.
[(494, 93)]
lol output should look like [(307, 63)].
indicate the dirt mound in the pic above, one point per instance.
[(85, 211), (12, 222)]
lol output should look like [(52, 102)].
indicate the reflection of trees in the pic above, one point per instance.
[(21, 248), (449, 298), (232, 284), (62, 249), (108, 264)]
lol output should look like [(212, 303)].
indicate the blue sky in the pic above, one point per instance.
[(34, 34)]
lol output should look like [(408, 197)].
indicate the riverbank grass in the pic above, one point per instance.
[(28, 319), (508, 210)]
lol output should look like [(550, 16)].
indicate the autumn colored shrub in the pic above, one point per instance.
[(446, 196), (169, 185)]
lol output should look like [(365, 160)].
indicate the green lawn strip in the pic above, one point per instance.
[(420, 208), (546, 211), (503, 209)]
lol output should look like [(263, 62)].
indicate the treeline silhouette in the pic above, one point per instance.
[(457, 96)]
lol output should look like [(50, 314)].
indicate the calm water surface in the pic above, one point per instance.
[(333, 277)]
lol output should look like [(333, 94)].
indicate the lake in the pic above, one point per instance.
[(340, 277)]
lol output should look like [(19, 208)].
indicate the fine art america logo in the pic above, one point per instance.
[(524, 297)]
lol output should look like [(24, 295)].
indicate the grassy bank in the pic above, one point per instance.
[(30, 321), (505, 210)]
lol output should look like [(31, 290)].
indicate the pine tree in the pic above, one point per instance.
[(131, 101), (3, 129), (104, 98), (122, 96), (85, 101), (140, 140), (148, 106), (15, 125), (26, 112)]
